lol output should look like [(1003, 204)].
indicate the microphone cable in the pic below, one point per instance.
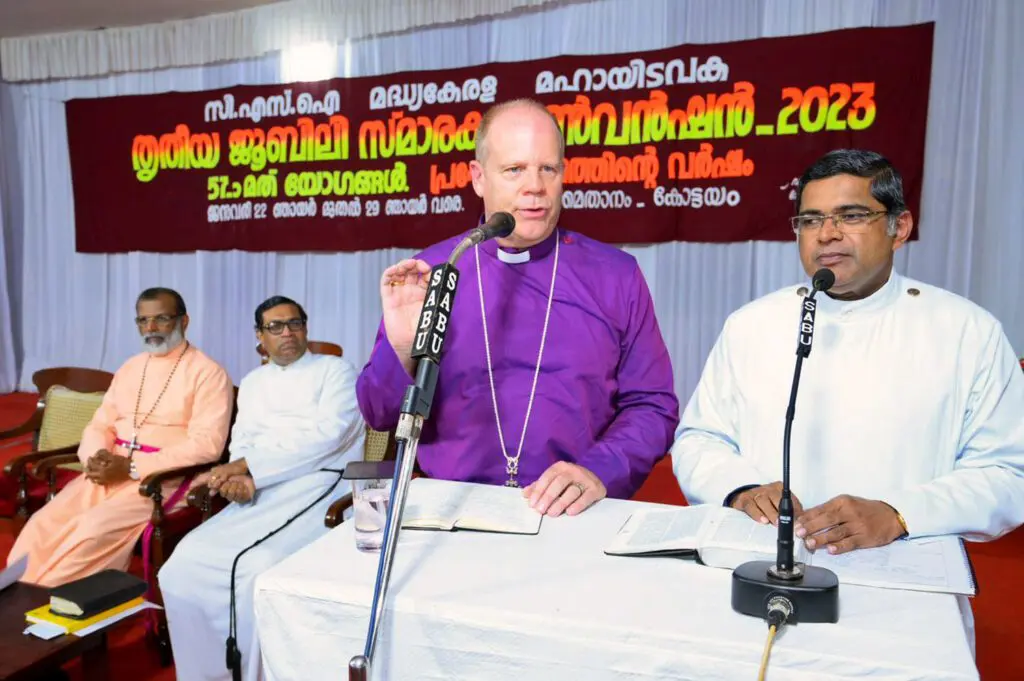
[(779, 610), (234, 655)]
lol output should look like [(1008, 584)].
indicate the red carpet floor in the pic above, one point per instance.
[(999, 565)]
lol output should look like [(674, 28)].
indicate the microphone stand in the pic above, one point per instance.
[(419, 396), (787, 591)]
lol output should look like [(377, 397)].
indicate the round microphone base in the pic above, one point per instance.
[(814, 596)]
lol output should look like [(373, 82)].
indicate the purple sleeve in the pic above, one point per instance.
[(646, 408), (381, 385)]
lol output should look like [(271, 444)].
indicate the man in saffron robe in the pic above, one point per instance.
[(167, 407), (555, 375)]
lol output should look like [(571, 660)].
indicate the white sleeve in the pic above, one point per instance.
[(706, 456), (982, 498)]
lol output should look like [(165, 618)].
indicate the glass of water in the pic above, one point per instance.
[(370, 511)]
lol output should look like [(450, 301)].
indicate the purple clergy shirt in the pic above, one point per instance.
[(604, 397)]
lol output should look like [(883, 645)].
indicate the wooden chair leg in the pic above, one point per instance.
[(161, 634), (163, 641), (21, 502)]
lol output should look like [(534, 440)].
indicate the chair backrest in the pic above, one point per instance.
[(73, 378), (316, 347), (68, 398), (379, 445)]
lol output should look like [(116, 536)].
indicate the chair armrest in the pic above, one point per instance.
[(43, 467), (29, 426), (336, 511), (13, 438), (18, 464), (152, 484), (203, 499), (199, 495)]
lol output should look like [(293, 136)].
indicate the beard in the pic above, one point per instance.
[(160, 344)]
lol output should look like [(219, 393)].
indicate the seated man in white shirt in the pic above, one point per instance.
[(298, 422), (909, 418)]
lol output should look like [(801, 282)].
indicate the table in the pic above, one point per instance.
[(472, 605), (25, 657)]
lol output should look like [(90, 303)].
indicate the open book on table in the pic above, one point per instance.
[(446, 505), (724, 538)]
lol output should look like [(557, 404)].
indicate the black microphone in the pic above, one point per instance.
[(500, 225), (428, 345), (822, 281), (786, 590)]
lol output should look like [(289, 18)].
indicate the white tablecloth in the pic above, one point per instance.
[(471, 605)]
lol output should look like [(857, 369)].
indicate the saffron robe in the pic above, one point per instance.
[(89, 527)]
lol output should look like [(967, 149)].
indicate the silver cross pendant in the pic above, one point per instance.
[(512, 469)]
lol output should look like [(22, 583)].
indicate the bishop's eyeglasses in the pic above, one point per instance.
[(846, 221), (276, 327)]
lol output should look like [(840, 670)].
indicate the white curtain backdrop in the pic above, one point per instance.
[(231, 36), (77, 309), (8, 368)]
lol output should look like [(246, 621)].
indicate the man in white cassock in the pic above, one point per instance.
[(909, 418), (297, 418)]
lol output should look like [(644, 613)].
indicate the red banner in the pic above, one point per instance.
[(692, 143)]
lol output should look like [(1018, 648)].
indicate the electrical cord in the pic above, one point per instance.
[(767, 651), (779, 610)]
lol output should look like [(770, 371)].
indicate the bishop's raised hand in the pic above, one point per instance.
[(403, 288)]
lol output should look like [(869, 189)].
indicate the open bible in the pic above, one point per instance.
[(723, 537), (447, 505)]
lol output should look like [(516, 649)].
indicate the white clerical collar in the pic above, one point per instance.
[(533, 253), (878, 300), (513, 258)]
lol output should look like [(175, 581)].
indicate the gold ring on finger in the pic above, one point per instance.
[(580, 487)]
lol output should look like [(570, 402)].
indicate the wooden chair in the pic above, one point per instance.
[(166, 527), (68, 398)]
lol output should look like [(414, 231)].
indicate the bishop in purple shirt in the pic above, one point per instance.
[(555, 374)]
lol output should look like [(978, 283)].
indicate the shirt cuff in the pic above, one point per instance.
[(731, 496), (609, 471)]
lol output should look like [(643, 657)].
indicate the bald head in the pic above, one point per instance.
[(519, 168), (513, 109)]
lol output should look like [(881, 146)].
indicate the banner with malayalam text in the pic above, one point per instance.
[(699, 143)]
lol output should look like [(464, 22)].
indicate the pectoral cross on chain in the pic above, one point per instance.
[(512, 469), (134, 445)]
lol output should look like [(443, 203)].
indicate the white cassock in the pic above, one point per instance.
[(911, 396), (292, 422)]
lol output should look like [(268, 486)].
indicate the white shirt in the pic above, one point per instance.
[(296, 419), (911, 396)]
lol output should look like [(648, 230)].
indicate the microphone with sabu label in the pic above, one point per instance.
[(784, 591), (428, 347)]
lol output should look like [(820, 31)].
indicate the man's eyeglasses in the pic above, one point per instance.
[(847, 221), (160, 319), (276, 328)]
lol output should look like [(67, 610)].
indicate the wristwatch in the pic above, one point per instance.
[(133, 472)]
